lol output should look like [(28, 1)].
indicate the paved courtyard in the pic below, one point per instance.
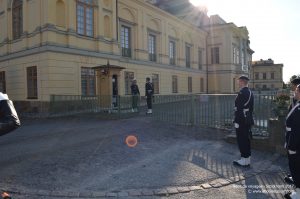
[(87, 157)]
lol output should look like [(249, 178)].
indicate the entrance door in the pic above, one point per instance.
[(115, 90)]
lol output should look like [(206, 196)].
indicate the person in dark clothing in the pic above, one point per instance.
[(292, 144), (243, 121), (149, 94), (288, 178), (9, 119), (135, 92)]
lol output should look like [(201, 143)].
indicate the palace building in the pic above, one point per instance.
[(97, 47), (266, 75)]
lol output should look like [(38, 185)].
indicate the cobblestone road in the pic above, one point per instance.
[(88, 158)]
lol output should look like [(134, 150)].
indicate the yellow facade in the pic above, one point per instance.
[(50, 40)]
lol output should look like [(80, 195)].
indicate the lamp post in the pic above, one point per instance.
[(105, 71)]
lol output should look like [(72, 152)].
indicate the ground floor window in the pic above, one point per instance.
[(2, 82), (155, 82), (88, 81), (190, 84), (32, 91), (174, 84), (201, 85), (129, 76)]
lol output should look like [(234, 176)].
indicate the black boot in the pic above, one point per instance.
[(288, 179)]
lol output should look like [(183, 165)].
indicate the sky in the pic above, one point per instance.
[(273, 25)]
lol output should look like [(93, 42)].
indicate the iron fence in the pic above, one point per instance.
[(62, 105), (215, 111), (209, 110)]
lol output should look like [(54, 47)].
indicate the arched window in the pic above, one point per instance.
[(17, 18), (85, 17), (60, 14)]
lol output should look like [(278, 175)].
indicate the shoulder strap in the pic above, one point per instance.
[(249, 98), (291, 111)]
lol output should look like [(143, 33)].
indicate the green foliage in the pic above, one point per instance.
[(282, 99)]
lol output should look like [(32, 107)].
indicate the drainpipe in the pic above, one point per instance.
[(207, 62), (117, 20)]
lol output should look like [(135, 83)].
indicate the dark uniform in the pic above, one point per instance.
[(135, 92), (9, 119), (292, 142), (244, 107), (294, 82), (149, 94)]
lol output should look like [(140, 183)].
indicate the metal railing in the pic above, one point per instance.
[(210, 110), (61, 105)]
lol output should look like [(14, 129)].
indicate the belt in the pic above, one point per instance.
[(245, 109), (288, 128)]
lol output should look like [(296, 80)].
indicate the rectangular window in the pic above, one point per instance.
[(190, 84), (126, 41), (200, 59), (272, 75), (256, 75), (234, 55), (233, 84), (188, 56), (201, 85), (17, 19), (85, 18), (172, 52), (155, 82), (32, 92), (88, 82), (152, 47), (243, 58), (2, 82), (174, 84), (215, 56), (264, 75), (129, 76), (238, 56)]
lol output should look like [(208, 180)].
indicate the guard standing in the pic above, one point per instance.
[(243, 121), (292, 144), (9, 119), (135, 92), (288, 178), (149, 94)]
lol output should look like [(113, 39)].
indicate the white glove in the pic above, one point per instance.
[(292, 152), (236, 125), (3, 96)]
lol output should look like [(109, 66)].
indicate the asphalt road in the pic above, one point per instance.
[(87, 157)]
